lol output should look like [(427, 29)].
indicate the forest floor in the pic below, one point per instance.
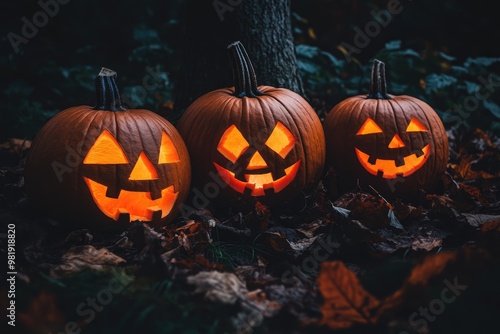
[(356, 264)]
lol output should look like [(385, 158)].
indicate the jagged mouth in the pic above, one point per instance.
[(388, 168), (258, 184), (132, 205)]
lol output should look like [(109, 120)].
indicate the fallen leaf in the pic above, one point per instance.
[(80, 258), (259, 297), (492, 225), (218, 287), (346, 303), (427, 244), (476, 220), (463, 265), (371, 210)]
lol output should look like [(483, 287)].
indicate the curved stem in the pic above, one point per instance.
[(245, 81), (107, 93), (378, 82)]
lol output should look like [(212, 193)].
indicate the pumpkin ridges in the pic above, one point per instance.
[(77, 128), (344, 120), (436, 121), (276, 111), (316, 133), (255, 116)]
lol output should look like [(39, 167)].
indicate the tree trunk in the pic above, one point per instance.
[(262, 26)]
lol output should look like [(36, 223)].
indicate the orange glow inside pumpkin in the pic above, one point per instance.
[(416, 126), (369, 127), (137, 204), (258, 183), (281, 140), (233, 144), (143, 169), (106, 151), (389, 169), (396, 142), (257, 162), (168, 152), (386, 167)]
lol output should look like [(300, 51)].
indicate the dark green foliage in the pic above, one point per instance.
[(144, 305), (55, 69), (457, 91)]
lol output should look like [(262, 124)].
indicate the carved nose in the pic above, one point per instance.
[(396, 142), (143, 169), (257, 162)]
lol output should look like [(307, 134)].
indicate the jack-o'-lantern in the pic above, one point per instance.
[(255, 142), (256, 178), (108, 164), (396, 144)]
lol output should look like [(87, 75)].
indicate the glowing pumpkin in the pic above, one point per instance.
[(108, 164), (256, 142), (396, 144), (256, 179)]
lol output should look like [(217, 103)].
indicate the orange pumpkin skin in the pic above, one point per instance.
[(395, 144), (280, 146), (108, 166)]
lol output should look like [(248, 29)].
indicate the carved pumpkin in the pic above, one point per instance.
[(108, 164), (255, 142), (396, 144)]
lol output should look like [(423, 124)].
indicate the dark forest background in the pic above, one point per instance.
[(434, 50), (443, 52)]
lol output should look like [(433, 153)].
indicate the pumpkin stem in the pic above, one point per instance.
[(245, 81), (378, 82), (107, 93)]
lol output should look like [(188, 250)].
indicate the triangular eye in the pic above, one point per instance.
[(281, 140), (232, 144), (369, 127), (106, 151), (168, 152), (416, 126)]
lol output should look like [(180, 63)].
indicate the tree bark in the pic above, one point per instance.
[(262, 26)]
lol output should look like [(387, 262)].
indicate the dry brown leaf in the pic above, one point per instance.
[(461, 265), (218, 287), (259, 298), (79, 258), (346, 303), (371, 210), (427, 244), (477, 220), (491, 226)]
